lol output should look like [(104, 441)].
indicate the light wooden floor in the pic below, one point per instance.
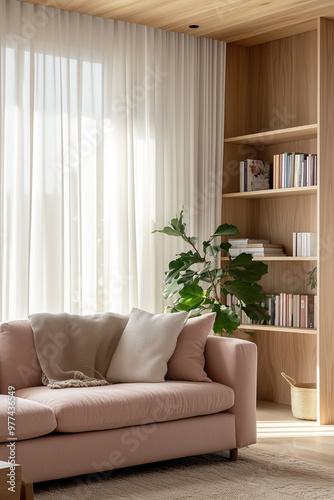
[(279, 432)]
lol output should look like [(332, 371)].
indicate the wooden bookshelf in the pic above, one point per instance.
[(279, 99)]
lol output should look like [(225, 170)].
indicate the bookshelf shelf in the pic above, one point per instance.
[(273, 193), (276, 136), (287, 258), (281, 329)]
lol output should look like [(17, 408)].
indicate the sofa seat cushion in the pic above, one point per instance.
[(121, 405), (26, 419)]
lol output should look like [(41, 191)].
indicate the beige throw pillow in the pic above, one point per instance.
[(187, 362), (147, 343)]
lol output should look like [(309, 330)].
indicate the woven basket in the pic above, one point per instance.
[(303, 399)]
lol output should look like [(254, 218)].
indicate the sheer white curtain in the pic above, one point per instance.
[(106, 130)]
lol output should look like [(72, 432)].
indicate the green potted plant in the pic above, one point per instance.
[(200, 287)]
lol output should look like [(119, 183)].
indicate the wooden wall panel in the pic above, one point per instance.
[(236, 85), (268, 85), (282, 80), (278, 218), (287, 277)]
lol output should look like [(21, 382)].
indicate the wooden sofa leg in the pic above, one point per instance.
[(234, 454), (27, 491)]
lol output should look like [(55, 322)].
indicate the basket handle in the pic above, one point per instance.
[(290, 380)]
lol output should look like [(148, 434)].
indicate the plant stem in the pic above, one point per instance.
[(203, 259)]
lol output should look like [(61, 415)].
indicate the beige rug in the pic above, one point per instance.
[(255, 476)]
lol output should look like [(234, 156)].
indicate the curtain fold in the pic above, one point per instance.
[(107, 129)]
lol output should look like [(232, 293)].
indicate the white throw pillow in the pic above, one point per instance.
[(145, 347)]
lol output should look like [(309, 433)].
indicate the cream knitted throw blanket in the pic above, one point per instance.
[(74, 350)]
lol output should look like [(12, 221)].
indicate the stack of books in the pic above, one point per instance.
[(285, 309), (256, 247)]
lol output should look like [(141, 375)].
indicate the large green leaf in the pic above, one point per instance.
[(249, 293), (225, 247), (193, 290), (256, 312), (187, 277), (225, 230), (193, 240), (226, 319), (168, 230), (176, 227), (212, 250), (191, 257), (182, 263), (191, 297), (243, 267), (173, 288)]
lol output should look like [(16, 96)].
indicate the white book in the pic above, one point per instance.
[(277, 310), (304, 245), (311, 244), (294, 244), (242, 177), (299, 245), (290, 309), (297, 170)]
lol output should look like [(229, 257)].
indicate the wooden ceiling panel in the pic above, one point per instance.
[(246, 22)]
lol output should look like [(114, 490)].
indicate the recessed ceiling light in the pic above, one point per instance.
[(193, 26)]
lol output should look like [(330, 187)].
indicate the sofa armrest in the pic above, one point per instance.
[(233, 362)]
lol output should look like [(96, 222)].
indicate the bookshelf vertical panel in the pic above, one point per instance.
[(326, 221)]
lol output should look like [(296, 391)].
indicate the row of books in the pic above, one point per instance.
[(285, 309), (288, 170), (256, 247), (304, 244), (294, 170)]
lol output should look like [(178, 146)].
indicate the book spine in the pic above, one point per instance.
[(277, 309), (304, 245), (297, 325), (290, 309), (294, 244), (299, 244), (241, 177), (315, 311), (310, 312), (303, 311), (245, 175)]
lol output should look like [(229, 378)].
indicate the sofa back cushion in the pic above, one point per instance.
[(19, 366)]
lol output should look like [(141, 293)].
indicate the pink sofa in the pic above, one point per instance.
[(67, 432)]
